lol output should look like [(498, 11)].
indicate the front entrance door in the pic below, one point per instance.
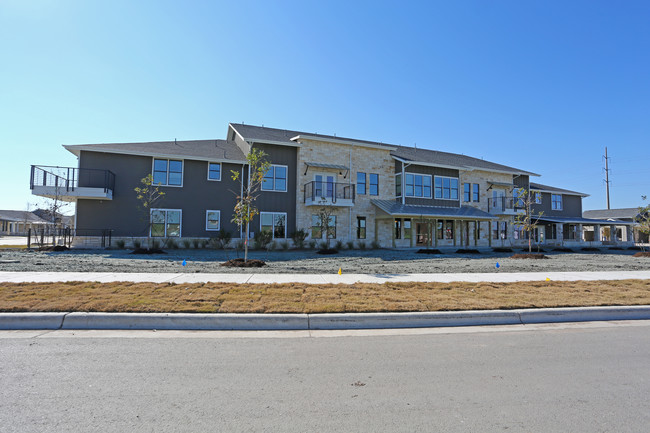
[(422, 234)]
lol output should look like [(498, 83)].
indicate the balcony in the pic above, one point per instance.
[(504, 206), (70, 184), (329, 194)]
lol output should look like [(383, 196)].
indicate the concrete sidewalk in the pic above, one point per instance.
[(180, 278)]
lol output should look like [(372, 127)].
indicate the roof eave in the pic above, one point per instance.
[(387, 147), (152, 154)]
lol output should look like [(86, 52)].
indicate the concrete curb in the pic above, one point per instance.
[(280, 322)]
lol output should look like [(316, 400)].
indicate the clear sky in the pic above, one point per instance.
[(540, 85)]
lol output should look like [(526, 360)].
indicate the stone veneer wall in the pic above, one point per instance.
[(364, 159)]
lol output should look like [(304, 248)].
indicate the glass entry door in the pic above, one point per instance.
[(422, 235), (324, 184)]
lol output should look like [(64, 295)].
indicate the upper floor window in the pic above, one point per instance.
[(556, 201), (374, 184), (361, 183), (446, 188), (214, 171), (398, 185), (538, 197), (467, 192), (275, 179), (274, 222), (168, 172), (417, 185), (476, 196)]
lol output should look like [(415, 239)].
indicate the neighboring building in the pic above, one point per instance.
[(628, 216), (18, 222), (393, 195)]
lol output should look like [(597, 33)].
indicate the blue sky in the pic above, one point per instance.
[(542, 86)]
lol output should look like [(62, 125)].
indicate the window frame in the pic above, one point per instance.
[(359, 227), (554, 202), (398, 185), (220, 171), (286, 179), (476, 193), (168, 160), (273, 214), (397, 228), (206, 220), (364, 184), (422, 186), (467, 192), (370, 184), (442, 188), (166, 210)]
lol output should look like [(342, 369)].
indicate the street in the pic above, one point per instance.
[(588, 377)]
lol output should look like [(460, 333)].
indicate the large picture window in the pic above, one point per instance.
[(165, 223), (212, 220), (275, 179), (167, 172), (274, 222), (446, 188), (556, 201), (214, 171), (417, 185)]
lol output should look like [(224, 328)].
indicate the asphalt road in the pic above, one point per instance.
[(543, 378)]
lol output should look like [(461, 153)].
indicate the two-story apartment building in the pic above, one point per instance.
[(394, 195)]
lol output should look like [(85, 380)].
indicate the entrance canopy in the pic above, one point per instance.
[(393, 208)]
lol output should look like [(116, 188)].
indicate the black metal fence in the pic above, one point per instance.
[(53, 236), (331, 191), (69, 178)]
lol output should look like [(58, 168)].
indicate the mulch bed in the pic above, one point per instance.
[(467, 251), (502, 250), (594, 249), (642, 254), (240, 263), (54, 248), (148, 251), (428, 251), (528, 256), (563, 250), (327, 251)]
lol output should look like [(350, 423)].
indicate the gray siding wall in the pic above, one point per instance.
[(521, 181), (571, 206), (123, 215), (272, 201), (434, 171)]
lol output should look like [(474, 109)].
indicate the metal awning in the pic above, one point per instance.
[(393, 208), (325, 165), (509, 185)]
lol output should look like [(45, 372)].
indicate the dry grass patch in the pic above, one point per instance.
[(311, 298)]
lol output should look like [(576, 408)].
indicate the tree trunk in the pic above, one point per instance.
[(246, 244)]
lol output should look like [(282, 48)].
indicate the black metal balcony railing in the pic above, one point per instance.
[(501, 204), (68, 178), (328, 191)]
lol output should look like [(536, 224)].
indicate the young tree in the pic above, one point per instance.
[(245, 209), (527, 221), (52, 211), (324, 216), (643, 217), (148, 194)]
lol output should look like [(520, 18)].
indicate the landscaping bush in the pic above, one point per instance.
[(120, 243), (171, 243), (375, 245), (224, 237), (187, 243), (271, 246), (262, 239), (137, 244), (195, 243), (350, 245), (338, 245), (284, 245), (298, 237), (312, 244), (362, 245)]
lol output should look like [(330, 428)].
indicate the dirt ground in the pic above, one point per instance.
[(384, 261)]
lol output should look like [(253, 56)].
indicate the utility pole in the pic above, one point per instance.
[(607, 175)]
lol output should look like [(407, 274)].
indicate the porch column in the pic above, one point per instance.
[(376, 230), (629, 233), (392, 231), (476, 234), (612, 233), (579, 234), (455, 229), (596, 232), (434, 232), (490, 233), (559, 232)]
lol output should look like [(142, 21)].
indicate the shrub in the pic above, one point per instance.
[(120, 243), (298, 237), (338, 245), (273, 245), (196, 243), (224, 237), (239, 245), (322, 245), (375, 245), (312, 243), (171, 243), (263, 238), (155, 244), (186, 243), (137, 244), (350, 244), (204, 243), (214, 243), (362, 245), (284, 245)]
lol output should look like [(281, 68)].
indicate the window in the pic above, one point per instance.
[(398, 185), (518, 200), (212, 220), (407, 229), (274, 222), (214, 171), (374, 184), (361, 227), (418, 185), (476, 197), (316, 232), (361, 183), (165, 223), (446, 188), (556, 202), (445, 229), (168, 172), (398, 228), (538, 197), (275, 179), (499, 230), (467, 192), (331, 227)]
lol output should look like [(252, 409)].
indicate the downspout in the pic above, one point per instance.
[(241, 194), (352, 194)]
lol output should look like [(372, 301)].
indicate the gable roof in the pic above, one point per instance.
[(263, 134), (623, 213), (394, 208), (203, 150), (21, 216), (412, 154), (552, 189)]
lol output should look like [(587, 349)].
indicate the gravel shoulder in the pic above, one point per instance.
[(384, 261)]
